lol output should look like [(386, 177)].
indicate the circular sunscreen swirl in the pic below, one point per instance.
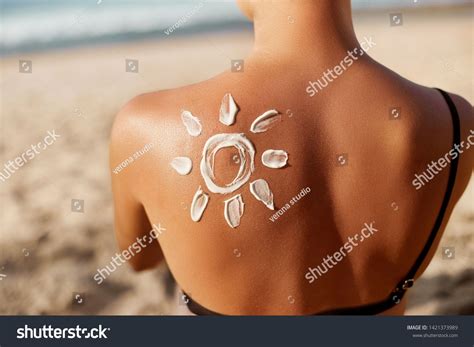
[(246, 154)]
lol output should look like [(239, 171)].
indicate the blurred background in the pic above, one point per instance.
[(69, 65)]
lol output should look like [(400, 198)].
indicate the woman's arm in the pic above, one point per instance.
[(133, 230)]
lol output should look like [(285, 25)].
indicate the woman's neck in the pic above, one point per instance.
[(296, 27)]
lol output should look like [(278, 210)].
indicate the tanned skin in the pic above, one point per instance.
[(350, 116)]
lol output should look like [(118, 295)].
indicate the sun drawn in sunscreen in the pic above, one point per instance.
[(259, 188)]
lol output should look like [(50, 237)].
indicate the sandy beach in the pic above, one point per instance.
[(51, 247)]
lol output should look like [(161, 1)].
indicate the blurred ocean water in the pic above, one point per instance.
[(28, 25)]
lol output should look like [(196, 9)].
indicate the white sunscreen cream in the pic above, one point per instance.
[(265, 121), (274, 158), (192, 123), (246, 155), (182, 165), (228, 110), (261, 191), (233, 210), (198, 205)]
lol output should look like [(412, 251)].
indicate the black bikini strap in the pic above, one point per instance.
[(409, 279), (198, 309), (449, 190)]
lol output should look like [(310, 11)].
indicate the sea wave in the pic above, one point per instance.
[(35, 25), (42, 24)]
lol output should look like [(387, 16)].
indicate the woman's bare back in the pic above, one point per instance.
[(354, 149)]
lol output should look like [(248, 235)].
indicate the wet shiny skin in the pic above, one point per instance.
[(351, 116)]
